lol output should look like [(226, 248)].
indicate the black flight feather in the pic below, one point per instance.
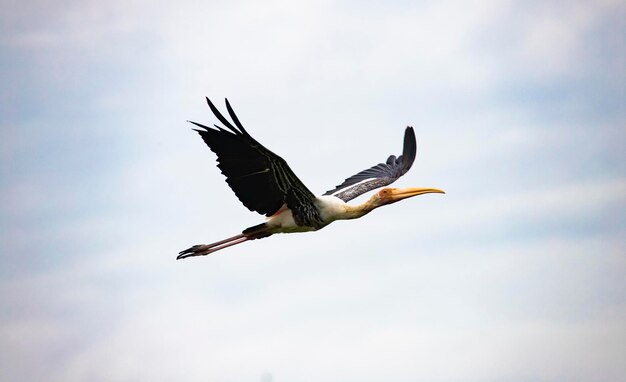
[(381, 174), (262, 180)]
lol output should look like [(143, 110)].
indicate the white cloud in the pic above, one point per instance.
[(552, 40), (352, 321), (569, 202), (78, 25)]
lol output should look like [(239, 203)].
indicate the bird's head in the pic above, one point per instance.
[(391, 195)]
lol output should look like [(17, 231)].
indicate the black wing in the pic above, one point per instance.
[(380, 175), (262, 180)]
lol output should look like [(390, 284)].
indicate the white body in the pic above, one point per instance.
[(331, 208)]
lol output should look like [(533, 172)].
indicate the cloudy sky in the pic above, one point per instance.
[(516, 274)]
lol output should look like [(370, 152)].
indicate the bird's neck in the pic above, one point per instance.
[(332, 208), (358, 210)]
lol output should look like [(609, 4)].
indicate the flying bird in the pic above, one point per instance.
[(264, 183)]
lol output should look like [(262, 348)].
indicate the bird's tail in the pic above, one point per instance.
[(255, 232)]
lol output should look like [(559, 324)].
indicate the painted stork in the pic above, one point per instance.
[(264, 183)]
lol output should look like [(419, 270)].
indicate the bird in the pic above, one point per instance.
[(264, 183)]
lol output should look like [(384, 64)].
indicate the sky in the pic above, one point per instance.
[(515, 274)]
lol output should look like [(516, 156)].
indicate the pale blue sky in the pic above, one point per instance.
[(516, 274)]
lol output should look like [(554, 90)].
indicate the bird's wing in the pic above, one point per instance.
[(380, 175), (262, 180)]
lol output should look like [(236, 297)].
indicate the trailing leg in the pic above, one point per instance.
[(256, 232)]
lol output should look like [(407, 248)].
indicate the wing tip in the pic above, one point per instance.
[(220, 117), (409, 149), (199, 125)]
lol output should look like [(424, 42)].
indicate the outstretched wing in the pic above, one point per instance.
[(262, 180), (380, 175)]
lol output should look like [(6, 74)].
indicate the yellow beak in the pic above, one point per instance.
[(403, 193)]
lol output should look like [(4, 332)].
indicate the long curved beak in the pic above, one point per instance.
[(403, 193)]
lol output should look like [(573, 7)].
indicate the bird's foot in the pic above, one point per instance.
[(196, 250)]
